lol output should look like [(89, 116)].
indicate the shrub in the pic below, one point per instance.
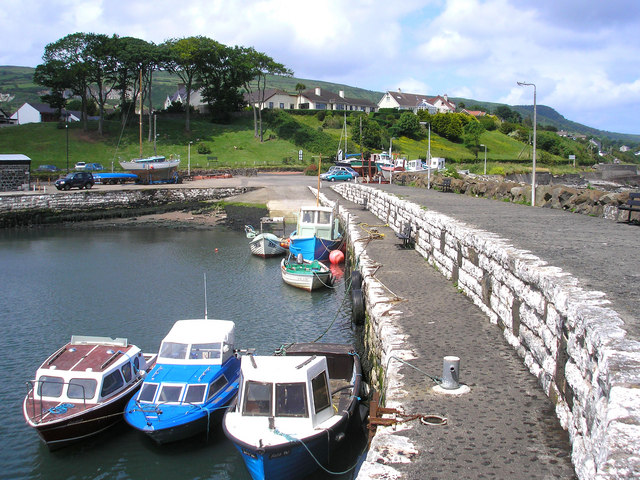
[(311, 170), (203, 149)]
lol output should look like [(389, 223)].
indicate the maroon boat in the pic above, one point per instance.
[(83, 388)]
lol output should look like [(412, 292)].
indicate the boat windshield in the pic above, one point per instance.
[(195, 393), (257, 399), (84, 388), (50, 386), (320, 387), (201, 351), (172, 350), (148, 392), (324, 217), (291, 400)]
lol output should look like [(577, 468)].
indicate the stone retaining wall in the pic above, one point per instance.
[(566, 336), (44, 205)]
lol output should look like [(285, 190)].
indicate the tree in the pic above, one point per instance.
[(100, 57), (471, 137), (300, 87), (372, 133), (505, 114), (258, 66), (183, 58), (408, 125), (221, 74), (54, 76), (66, 66)]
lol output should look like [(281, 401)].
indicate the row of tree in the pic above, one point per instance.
[(96, 65)]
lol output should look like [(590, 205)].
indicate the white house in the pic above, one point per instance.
[(317, 99), (416, 102), (180, 96), (273, 98), (40, 112)]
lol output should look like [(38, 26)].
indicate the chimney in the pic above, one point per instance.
[(399, 90), (318, 91), (341, 93), (446, 99)]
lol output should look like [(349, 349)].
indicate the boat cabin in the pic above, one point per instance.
[(293, 390), (190, 358), (194, 342), (88, 370), (317, 221)]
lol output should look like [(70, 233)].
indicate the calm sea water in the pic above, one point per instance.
[(136, 283)]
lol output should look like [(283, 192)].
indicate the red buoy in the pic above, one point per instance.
[(336, 257)]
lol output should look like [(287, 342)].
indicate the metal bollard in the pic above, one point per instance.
[(450, 373)]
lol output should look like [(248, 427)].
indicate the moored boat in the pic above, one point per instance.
[(266, 244), (317, 233), (305, 274), (82, 388), (294, 411), (191, 386)]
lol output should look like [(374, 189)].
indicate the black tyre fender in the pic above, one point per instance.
[(357, 308), (356, 280)]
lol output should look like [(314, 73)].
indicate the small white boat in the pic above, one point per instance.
[(288, 407), (155, 169), (305, 274), (266, 244)]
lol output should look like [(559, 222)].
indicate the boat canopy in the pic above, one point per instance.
[(316, 221), (286, 387), (198, 341)]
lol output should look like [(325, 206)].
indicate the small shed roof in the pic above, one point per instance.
[(14, 158)]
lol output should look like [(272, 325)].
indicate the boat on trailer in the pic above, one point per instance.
[(294, 411), (192, 384), (82, 388)]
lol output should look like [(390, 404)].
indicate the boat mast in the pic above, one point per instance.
[(140, 117), (345, 136)]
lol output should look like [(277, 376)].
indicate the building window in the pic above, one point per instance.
[(282, 105), (270, 104), (321, 106)]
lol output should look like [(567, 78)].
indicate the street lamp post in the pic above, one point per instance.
[(535, 123), (485, 158), (189, 160), (66, 127)]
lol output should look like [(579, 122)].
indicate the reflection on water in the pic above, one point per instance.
[(136, 283)]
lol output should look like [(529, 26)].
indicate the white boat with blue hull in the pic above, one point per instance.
[(294, 411), (192, 384), (317, 233)]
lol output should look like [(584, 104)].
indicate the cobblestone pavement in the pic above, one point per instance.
[(505, 428)]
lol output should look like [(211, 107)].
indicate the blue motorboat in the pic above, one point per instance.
[(317, 233), (194, 381), (292, 412)]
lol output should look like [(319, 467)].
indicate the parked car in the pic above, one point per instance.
[(80, 165), (339, 173), (75, 179), (47, 168), (93, 167)]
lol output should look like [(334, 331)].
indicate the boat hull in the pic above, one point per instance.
[(313, 248), (290, 459), (153, 172), (87, 422), (305, 276), (266, 245)]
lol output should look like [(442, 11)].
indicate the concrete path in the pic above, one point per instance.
[(506, 426)]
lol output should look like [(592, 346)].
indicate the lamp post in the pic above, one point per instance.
[(535, 122), (189, 160), (391, 147), (485, 158), (66, 127)]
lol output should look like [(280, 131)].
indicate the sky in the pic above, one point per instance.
[(583, 56)]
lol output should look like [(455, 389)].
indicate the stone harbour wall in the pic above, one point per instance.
[(567, 337), (32, 208)]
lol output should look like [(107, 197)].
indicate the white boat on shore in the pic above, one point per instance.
[(156, 169), (266, 244)]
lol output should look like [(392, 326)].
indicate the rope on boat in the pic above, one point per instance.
[(294, 439)]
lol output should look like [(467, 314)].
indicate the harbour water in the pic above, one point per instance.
[(135, 283)]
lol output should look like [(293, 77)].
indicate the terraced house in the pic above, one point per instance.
[(416, 102)]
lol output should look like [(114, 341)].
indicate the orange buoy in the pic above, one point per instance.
[(336, 256)]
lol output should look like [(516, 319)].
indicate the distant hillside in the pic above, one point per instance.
[(17, 87)]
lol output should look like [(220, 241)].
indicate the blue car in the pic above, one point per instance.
[(95, 167), (339, 173)]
